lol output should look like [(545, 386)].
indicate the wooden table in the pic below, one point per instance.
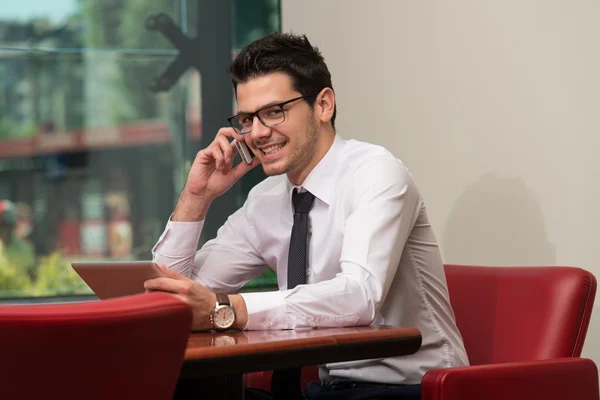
[(215, 362)]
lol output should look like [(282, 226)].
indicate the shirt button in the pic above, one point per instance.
[(267, 324), (313, 323)]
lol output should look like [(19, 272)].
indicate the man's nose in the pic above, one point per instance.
[(259, 131)]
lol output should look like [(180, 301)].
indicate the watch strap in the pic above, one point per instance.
[(223, 299)]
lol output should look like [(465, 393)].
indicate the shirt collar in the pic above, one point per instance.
[(318, 181)]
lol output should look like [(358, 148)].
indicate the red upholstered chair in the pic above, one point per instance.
[(125, 348), (523, 328)]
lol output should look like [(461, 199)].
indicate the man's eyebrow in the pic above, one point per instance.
[(273, 103)]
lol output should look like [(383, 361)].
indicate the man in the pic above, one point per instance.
[(341, 222)]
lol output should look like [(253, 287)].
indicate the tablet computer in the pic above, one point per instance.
[(110, 279)]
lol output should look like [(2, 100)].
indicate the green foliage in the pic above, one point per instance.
[(119, 24), (13, 130), (13, 275), (132, 30), (93, 32), (13, 282), (55, 276)]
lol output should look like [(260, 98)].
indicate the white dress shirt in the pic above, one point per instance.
[(372, 259)]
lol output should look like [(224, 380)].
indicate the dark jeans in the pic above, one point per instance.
[(349, 391)]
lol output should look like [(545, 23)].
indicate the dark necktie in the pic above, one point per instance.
[(285, 384), (298, 255)]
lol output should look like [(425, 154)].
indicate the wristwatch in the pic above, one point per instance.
[(222, 316)]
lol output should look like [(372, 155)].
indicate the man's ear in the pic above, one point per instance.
[(325, 104)]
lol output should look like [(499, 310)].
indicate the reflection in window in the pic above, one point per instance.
[(90, 159)]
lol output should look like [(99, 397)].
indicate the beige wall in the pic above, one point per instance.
[(493, 106)]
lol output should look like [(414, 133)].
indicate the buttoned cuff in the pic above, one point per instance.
[(266, 310)]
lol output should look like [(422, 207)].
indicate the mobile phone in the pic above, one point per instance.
[(244, 151)]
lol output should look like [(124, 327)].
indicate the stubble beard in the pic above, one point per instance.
[(300, 155)]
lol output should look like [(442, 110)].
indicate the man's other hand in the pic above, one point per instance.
[(200, 299)]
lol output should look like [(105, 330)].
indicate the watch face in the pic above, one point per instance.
[(224, 317)]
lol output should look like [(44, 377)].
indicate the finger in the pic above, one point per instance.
[(237, 136), (242, 168), (225, 146), (228, 133), (168, 285), (231, 133), (204, 156), (215, 152)]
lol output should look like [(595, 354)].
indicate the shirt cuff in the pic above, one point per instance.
[(266, 310), (179, 239)]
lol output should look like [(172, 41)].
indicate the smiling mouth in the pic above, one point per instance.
[(272, 149)]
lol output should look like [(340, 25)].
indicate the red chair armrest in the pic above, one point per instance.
[(556, 379)]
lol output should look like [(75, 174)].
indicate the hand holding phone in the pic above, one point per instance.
[(244, 151)]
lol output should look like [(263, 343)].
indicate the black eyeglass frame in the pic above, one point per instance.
[(255, 113)]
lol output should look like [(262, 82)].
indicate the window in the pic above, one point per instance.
[(92, 160)]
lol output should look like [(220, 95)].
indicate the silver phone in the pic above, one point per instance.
[(244, 151)]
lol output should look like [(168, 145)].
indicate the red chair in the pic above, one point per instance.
[(125, 348), (523, 328)]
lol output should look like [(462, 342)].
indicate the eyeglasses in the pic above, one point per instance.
[(269, 116)]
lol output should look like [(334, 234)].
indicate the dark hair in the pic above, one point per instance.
[(288, 53)]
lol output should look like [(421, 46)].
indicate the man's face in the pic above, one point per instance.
[(289, 146)]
